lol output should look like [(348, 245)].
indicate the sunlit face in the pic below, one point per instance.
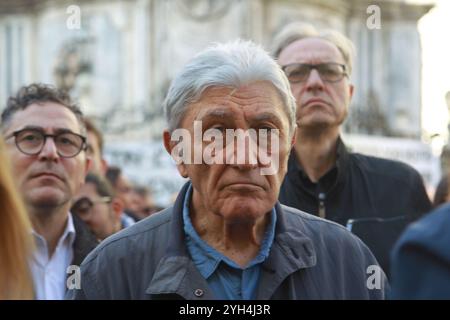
[(124, 191), (46, 180), (94, 153), (237, 192), (319, 103)]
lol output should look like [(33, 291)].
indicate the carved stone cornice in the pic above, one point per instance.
[(391, 9)]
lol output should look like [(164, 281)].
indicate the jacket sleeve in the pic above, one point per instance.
[(421, 260), (90, 287), (417, 274), (376, 282)]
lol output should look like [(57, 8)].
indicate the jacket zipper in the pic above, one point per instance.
[(322, 197)]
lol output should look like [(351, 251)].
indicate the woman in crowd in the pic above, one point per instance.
[(15, 238)]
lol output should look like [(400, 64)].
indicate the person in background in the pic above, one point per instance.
[(123, 191), (442, 194), (421, 259), (15, 238), (375, 198), (97, 206), (46, 142), (142, 204), (95, 148)]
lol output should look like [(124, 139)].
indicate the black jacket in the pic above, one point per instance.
[(381, 195), (85, 241)]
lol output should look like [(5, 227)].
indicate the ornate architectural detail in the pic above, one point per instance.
[(204, 10), (368, 119), (73, 63)]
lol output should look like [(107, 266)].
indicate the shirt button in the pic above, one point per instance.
[(198, 293)]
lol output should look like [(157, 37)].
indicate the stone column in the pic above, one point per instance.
[(387, 70)]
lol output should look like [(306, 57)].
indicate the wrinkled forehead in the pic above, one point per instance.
[(258, 100), (48, 116), (310, 50)]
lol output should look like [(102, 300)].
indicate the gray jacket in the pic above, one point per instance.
[(310, 258)]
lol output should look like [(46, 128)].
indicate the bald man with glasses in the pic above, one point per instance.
[(46, 141), (375, 198)]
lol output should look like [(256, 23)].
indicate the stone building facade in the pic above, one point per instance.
[(118, 57)]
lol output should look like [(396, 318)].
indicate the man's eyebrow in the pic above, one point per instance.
[(267, 116), (214, 113), (65, 130), (56, 130)]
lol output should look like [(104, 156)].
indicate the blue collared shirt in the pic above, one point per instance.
[(226, 279)]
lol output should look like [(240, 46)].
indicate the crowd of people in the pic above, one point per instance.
[(312, 228)]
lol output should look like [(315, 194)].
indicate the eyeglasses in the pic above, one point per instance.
[(83, 206), (330, 72), (32, 141)]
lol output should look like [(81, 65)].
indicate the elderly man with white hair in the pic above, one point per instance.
[(231, 126)]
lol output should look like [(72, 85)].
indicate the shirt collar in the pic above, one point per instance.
[(342, 160), (68, 235), (206, 258)]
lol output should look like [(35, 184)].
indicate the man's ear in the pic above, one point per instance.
[(351, 88), (103, 166), (117, 207), (87, 166), (170, 145), (294, 137)]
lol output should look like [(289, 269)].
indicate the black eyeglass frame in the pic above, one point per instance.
[(316, 66), (74, 207), (83, 146)]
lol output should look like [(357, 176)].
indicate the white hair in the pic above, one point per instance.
[(233, 64)]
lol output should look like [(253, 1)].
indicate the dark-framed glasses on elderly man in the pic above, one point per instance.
[(329, 72), (31, 142)]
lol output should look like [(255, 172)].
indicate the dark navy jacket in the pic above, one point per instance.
[(421, 259), (310, 258)]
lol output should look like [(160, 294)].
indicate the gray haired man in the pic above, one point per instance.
[(375, 197), (227, 237)]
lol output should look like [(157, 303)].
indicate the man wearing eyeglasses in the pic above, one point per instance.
[(96, 205), (323, 177), (46, 142)]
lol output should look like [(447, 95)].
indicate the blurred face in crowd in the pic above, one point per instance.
[(124, 190), (46, 179), (319, 102), (236, 192), (141, 204), (101, 214), (98, 164)]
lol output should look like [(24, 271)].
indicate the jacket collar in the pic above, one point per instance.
[(291, 251), (177, 274), (85, 241), (297, 173)]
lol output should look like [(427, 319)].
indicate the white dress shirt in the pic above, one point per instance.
[(49, 273)]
